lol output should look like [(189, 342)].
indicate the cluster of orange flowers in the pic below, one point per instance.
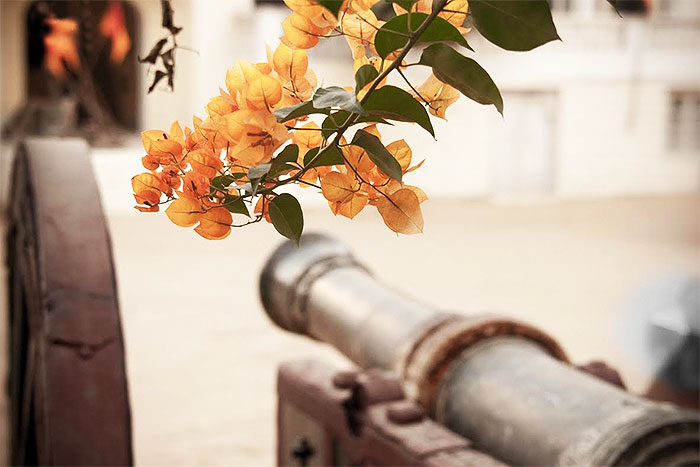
[(204, 172)]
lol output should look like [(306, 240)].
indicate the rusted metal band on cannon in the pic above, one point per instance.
[(69, 395), (436, 349)]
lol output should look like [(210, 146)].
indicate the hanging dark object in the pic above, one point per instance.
[(154, 53), (161, 56), (167, 22)]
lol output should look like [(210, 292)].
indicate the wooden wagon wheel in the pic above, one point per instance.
[(68, 394)]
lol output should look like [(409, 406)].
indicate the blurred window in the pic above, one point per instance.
[(684, 125)]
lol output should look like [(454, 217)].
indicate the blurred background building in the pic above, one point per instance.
[(565, 213), (612, 109)]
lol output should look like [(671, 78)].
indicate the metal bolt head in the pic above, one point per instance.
[(405, 412)]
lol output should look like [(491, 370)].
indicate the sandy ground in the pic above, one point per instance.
[(202, 355)]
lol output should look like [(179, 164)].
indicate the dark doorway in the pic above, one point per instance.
[(82, 71)]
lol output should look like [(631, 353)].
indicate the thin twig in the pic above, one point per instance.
[(415, 90)]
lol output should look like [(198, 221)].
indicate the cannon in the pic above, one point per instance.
[(505, 387)]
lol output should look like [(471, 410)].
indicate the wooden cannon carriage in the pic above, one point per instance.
[(68, 392)]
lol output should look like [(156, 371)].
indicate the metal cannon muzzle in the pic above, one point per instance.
[(505, 385)]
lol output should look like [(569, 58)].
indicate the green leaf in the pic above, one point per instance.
[(310, 154), (281, 163), (295, 111), (259, 171), (396, 104), (336, 119), (331, 5), (286, 216), (378, 153), (246, 188), (365, 75), (463, 73), (613, 3), (222, 182), (255, 174), (336, 96), (394, 34), (236, 205), (330, 156), (514, 24)]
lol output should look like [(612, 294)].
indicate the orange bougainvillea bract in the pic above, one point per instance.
[(271, 125)]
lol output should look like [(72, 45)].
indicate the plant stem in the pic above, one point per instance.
[(352, 119)]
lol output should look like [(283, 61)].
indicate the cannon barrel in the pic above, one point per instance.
[(505, 385)]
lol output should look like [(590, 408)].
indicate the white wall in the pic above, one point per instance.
[(624, 149), (13, 66)]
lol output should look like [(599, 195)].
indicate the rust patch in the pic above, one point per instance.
[(436, 350)]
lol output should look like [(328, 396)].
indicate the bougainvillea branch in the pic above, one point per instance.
[(272, 126), (162, 55)]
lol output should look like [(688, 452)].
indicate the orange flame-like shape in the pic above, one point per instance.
[(61, 47), (113, 27)]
